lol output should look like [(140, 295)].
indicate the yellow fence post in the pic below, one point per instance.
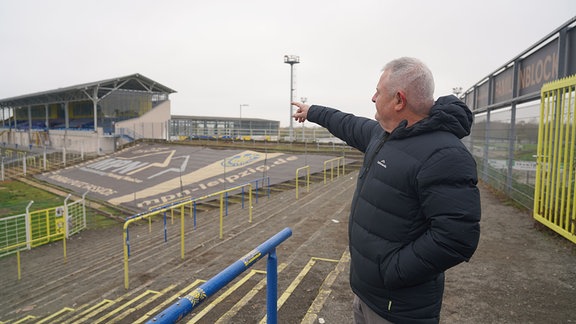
[(182, 232), (29, 225), (297, 183), (18, 264), (125, 243), (64, 246), (331, 161)]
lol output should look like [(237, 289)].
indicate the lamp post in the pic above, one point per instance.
[(240, 123), (291, 59)]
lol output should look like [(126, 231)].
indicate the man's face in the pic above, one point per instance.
[(385, 114)]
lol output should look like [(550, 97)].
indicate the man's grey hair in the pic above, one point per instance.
[(415, 78)]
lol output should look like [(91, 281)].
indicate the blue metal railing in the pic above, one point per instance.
[(185, 305)]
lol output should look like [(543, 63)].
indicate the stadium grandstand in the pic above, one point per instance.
[(94, 118)]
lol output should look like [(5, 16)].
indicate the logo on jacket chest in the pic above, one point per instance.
[(382, 163)]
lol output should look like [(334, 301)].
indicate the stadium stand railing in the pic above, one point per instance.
[(191, 203), (186, 304), (34, 228)]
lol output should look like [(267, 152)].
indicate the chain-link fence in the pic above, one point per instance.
[(504, 143)]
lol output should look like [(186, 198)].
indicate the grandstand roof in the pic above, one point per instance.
[(86, 91)]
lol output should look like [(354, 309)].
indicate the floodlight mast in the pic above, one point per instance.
[(291, 59)]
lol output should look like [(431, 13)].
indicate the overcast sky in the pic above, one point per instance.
[(219, 54)]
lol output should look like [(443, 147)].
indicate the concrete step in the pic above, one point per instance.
[(96, 256), (303, 294)]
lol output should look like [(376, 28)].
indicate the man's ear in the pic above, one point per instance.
[(400, 100)]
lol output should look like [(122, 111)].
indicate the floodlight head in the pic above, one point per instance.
[(291, 59)]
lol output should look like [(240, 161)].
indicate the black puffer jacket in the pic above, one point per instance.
[(416, 210)]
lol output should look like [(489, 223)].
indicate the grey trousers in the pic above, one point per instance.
[(365, 315)]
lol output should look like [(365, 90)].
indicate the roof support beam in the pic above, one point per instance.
[(66, 116), (95, 106)]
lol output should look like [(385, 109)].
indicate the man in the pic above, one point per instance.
[(416, 209)]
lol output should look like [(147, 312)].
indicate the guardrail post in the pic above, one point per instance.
[(250, 204), (194, 209), (165, 229), (126, 255), (18, 264), (66, 229), (297, 183), (84, 209), (182, 232), (28, 225), (272, 288), (221, 216)]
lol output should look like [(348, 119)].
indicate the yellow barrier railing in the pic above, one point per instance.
[(555, 191), (307, 168), (181, 206), (25, 231), (43, 223), (339, 161), (59, 235)]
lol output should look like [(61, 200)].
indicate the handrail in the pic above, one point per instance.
[(186, 200), (22, 244), (307, 168), (164, 209), (331, 161), (40, 227), (185, 305), (179, 204)]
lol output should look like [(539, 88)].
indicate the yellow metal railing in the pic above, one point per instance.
[(555, 192), (181, 206), (43, 224), (59, 235), (307, 168), (25, 231), (339, 161)]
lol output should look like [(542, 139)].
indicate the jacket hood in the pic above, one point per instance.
[(448, 114)]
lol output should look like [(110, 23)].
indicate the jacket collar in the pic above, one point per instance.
[(448, 114)]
